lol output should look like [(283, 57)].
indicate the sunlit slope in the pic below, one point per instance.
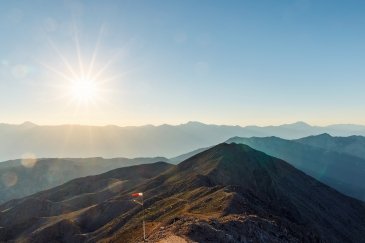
[(229, 193), (19, 178)]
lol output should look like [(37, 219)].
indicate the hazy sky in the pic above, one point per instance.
[(226, 62)]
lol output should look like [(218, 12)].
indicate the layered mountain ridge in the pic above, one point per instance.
[(352, 145), (23, 177), (228, 193), (334, 167), (335, 161), (70, 141)]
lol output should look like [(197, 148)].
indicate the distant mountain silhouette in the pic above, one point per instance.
[(19, 178), (332, 166), (353, 145), (146, 141), (28, 125), (180, 158), (228, 193)]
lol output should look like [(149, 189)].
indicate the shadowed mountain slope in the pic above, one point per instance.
[(229, 193), (341, 171), (19, 178)]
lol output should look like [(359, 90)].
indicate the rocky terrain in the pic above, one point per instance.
[(228, 193)]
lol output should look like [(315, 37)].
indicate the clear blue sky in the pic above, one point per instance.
[(226, 62)]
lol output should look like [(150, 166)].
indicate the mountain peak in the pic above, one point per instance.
[(233, 164), (226, 151), (324, 135), (229, 193), (299, 124), (319, 137), (28, 124), (194, 123)]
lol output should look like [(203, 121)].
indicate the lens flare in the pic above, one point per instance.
[(9, 179), (29, 160)]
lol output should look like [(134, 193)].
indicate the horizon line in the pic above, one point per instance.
[(180, 124)]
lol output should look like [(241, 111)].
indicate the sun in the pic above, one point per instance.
[(84, 82), (84, 90)]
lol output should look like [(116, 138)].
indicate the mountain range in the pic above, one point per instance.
[(74, 141), (352, 145), (336, 166), (335, 161), (19, 178), (228, 193)]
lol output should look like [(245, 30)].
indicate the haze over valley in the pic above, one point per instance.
[(63, 141)]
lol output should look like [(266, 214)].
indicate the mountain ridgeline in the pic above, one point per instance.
[(74, 141), (352, 145), (228, 193), (19, 178), (335, 161), (334, 167)]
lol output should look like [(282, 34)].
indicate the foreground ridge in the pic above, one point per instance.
[(228, 193)]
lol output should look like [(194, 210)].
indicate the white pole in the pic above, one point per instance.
[(143, 223)]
